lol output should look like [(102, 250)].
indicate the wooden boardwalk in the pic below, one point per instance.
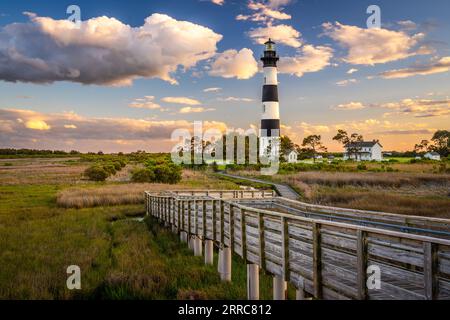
[(322, 257)]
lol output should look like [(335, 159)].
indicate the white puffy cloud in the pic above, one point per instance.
[(234, 64), (352, 70), (346, 82), (310, 59), (213, 89), (195, 109), (145, 103), (218, 2), (350, 106), (103, 51), (373, 46), (235, 99), (265, 12), (439, 66), (281, 33), (181, 100)]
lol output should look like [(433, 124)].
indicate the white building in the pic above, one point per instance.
[(291, 156), (364, 151), (432, 156)]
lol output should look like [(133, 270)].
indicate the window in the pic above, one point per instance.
[(265, 80), (264, 108)]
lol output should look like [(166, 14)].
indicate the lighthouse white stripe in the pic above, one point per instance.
[(271, 110), (270, 75)]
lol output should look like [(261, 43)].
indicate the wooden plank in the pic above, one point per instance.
[(214, 219), (243, 236), (262, 248), (222, 222), (285, 247), (361, 253), (430, 270), (231, 226), (317, 261), (204, 218)]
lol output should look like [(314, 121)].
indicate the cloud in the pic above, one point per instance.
[(37, 125), (70, 126), (344, 83), (406, 132), (91, 133), (407, 25), (218, 2), (309, 129), (235, 99), (214, 89), (439, 66), (352, 70), (145, 103), (265, 12), (419, 108), (350, 106), (195, 110), (104, 51), (234, 64), (282, 33), (373, 46), (310, 59), (181, 100)]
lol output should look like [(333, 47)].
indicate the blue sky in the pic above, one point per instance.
[(331, 78)]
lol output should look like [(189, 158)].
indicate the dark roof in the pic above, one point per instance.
[(362, 144), (270, 41)]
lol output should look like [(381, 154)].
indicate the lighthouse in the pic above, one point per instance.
[(270, 120)]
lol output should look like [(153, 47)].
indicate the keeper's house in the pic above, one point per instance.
[(364, 151)]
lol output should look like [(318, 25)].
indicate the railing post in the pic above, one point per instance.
[(361, 252), (430, 264), (300, 290), (279, 288), (209, 252), (252, 281), (214, 220), (317, 260), (226, 264)]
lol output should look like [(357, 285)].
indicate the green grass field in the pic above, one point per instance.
[(120, 257)]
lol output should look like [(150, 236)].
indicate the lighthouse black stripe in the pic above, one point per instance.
[(270, 93), (269, 125)]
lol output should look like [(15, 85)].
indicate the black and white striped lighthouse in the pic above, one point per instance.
[(270, 121)]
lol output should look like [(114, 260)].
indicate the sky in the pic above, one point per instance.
[(134, 71)]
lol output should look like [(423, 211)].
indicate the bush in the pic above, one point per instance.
[(96, 173), (361, 166), (7, 164), (109, 167), (117, 165), (143, 175), (167, 173)]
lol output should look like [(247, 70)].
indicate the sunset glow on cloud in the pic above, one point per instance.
[(130, 75)]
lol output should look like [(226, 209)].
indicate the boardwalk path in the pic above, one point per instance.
[(284, 190)]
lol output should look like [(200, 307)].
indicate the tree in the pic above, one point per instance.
[(441, 141), (422, 146), (286, 145), (314, 143), (350, 142)]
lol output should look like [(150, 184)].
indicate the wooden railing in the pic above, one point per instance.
[(325, 259)]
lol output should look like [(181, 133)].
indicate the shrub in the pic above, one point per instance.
[(361, 166), (143, 175), (117, 165), (96, 173), (109, 167), (7, 164), (167, 173)]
